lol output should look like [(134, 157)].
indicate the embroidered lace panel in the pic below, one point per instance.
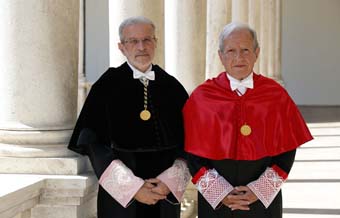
[(120, 182), (176, 178), (213, 187), (267, 186)]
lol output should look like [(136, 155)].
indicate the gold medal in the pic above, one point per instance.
[(245, 130), (145, 115)]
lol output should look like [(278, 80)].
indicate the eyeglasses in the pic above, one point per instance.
[(144, 41)]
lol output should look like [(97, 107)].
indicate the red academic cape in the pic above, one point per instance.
[(214, 114)]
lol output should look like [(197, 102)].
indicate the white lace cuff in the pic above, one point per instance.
[(267, 186), (176, 178), (120, 182), (213, 187)]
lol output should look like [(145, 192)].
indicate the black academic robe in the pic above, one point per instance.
[(109, 127)]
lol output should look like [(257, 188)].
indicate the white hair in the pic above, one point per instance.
[(233, 26), (134, 20)]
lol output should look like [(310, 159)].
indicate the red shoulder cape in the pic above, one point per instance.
[(214, 114)]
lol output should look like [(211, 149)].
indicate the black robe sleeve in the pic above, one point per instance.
[(89, 136), (195, 163), (285, 160)]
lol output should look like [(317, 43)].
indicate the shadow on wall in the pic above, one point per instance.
[(320, 114)]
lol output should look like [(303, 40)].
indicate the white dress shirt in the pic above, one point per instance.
[(241, 85), (143, 77)]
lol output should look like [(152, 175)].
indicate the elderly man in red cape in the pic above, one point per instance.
[(241, 132)]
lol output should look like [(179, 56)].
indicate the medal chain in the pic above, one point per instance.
[(245, 128), (145, 83), (145, 114)]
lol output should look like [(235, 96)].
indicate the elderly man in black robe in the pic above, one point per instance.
[(131, 129)]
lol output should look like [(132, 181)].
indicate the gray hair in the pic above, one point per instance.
[(134, 20), (233, 26)]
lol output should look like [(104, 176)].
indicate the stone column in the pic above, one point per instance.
[(82, 82), (254, 22), (265, 17), (122, 9), (270, 39), (277, 74), (218, 15), (38, 84), (263, 58), (240, 10), (185, 40)]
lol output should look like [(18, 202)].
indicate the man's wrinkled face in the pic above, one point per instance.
[(239, 56), (138, 45)]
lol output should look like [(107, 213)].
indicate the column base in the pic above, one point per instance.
[(47, 166), (35, 143), (36, 196)]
